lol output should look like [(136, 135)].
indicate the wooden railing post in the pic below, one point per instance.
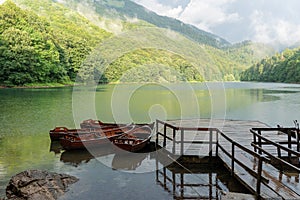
[(217, 143), (174, 141), (298, 139), (157, 131), (259, 142), (258, 183), (182, 142), (232, 158), (254, 140), (210, 143), (289, 143), (165, 136), (278, 152)]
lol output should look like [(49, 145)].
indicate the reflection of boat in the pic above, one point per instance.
[(55, 147), (128, 161), (134, 140), (79, 156)]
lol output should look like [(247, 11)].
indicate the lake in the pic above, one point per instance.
[(27, 115)]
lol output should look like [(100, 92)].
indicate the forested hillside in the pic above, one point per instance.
[(45, 41), (33, 50), (127, 10), (282, 67)]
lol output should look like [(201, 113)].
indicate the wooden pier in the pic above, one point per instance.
[(263, 159)]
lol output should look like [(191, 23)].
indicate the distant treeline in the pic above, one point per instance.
[(283, 67)]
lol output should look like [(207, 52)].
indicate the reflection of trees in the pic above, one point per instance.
[(22, 152)]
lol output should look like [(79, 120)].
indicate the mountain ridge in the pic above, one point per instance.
[(76, 37)]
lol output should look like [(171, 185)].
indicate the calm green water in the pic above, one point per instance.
[(27, 115)]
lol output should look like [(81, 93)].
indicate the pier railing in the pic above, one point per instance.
[(183, 130), (282, 147), (215, 136)]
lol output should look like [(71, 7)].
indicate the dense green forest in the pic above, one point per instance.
[(282, 67), (151, 65), (43, 41), (33, 50)]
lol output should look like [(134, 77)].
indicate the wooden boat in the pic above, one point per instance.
[(90, 123), (59, 132), (134, 140), (92, 139)]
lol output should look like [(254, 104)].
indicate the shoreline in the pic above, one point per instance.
[(59, 85)]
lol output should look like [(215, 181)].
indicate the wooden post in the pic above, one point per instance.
[(232, 159), (174, 183), (258, 183), (259, 142), (174, 141), (156, 164), (182, 140), (210, 143), (279, 152), (165, 177), (210, 185), (165, 136), (254, 140), (182, 185), (289, 143), (217, 143), (157, 131), (298, 139)]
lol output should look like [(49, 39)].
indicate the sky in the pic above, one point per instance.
[(274, 22)]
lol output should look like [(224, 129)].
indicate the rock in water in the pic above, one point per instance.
[(37, 184)]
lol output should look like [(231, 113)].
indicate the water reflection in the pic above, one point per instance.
[(200, 182), (192, 181), (80, 156), (128, 161)]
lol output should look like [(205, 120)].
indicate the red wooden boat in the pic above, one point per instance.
[(90, 123), (134, 140), (92, 139), (59, 132)]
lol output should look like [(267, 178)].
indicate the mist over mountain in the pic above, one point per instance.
[(103, 40)]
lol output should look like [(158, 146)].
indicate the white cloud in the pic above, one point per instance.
[(270, 29), (161, 9), (206, 14), (268, 21)]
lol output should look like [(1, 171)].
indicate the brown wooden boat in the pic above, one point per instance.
[(134, 140), (90, 123), (92, 138), (59, 132)]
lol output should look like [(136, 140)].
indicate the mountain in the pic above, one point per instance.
[(282, 67), (45, 41), (127, 10)]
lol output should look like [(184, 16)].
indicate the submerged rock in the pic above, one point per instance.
[(37, 184)]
